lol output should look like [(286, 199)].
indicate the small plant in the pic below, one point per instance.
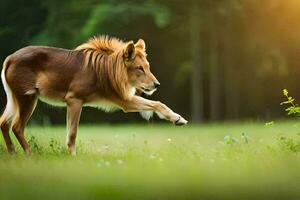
[(269, 123), (56, 148), (245, 138), (289, 144), (35, 147), (293, 108), (230, 140)]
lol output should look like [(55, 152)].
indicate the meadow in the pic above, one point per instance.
[(157, 161)]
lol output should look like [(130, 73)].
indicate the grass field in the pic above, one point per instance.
[(152, 161)]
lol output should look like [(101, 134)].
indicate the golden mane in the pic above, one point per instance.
[(102, 43), (104, 55)]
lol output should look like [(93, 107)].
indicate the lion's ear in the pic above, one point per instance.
[(129, 52), (141, 44)]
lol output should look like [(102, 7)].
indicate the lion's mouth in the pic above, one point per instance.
[(148, 91)]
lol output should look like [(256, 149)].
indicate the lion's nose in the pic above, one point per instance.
[(156, 84)]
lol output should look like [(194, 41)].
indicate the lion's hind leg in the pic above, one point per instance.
[(26, 105)]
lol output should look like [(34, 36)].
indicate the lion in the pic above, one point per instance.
[(104, 72)]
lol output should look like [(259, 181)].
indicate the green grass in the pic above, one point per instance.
[(152, 161)]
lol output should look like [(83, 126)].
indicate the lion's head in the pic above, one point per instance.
[(138, 67)]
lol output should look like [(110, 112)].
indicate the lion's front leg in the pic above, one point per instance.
[(138, 104)]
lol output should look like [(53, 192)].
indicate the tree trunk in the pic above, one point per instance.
[(196, 73), (214, 79), (231, 77)]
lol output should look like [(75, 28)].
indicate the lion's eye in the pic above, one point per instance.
[(140, 68)]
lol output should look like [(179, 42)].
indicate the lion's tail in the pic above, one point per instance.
[(11, 107)]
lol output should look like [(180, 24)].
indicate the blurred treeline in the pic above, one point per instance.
[(216, 59)]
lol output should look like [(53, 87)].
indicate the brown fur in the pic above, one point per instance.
[(103, 70)]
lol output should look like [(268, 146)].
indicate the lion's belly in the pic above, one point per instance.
[(103, 105), (52, 101), (51, 96)]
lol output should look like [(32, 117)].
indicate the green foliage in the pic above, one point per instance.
[(293, 108), (289, 144), (124, 13)]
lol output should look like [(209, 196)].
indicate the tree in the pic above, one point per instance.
[(197, 95)]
